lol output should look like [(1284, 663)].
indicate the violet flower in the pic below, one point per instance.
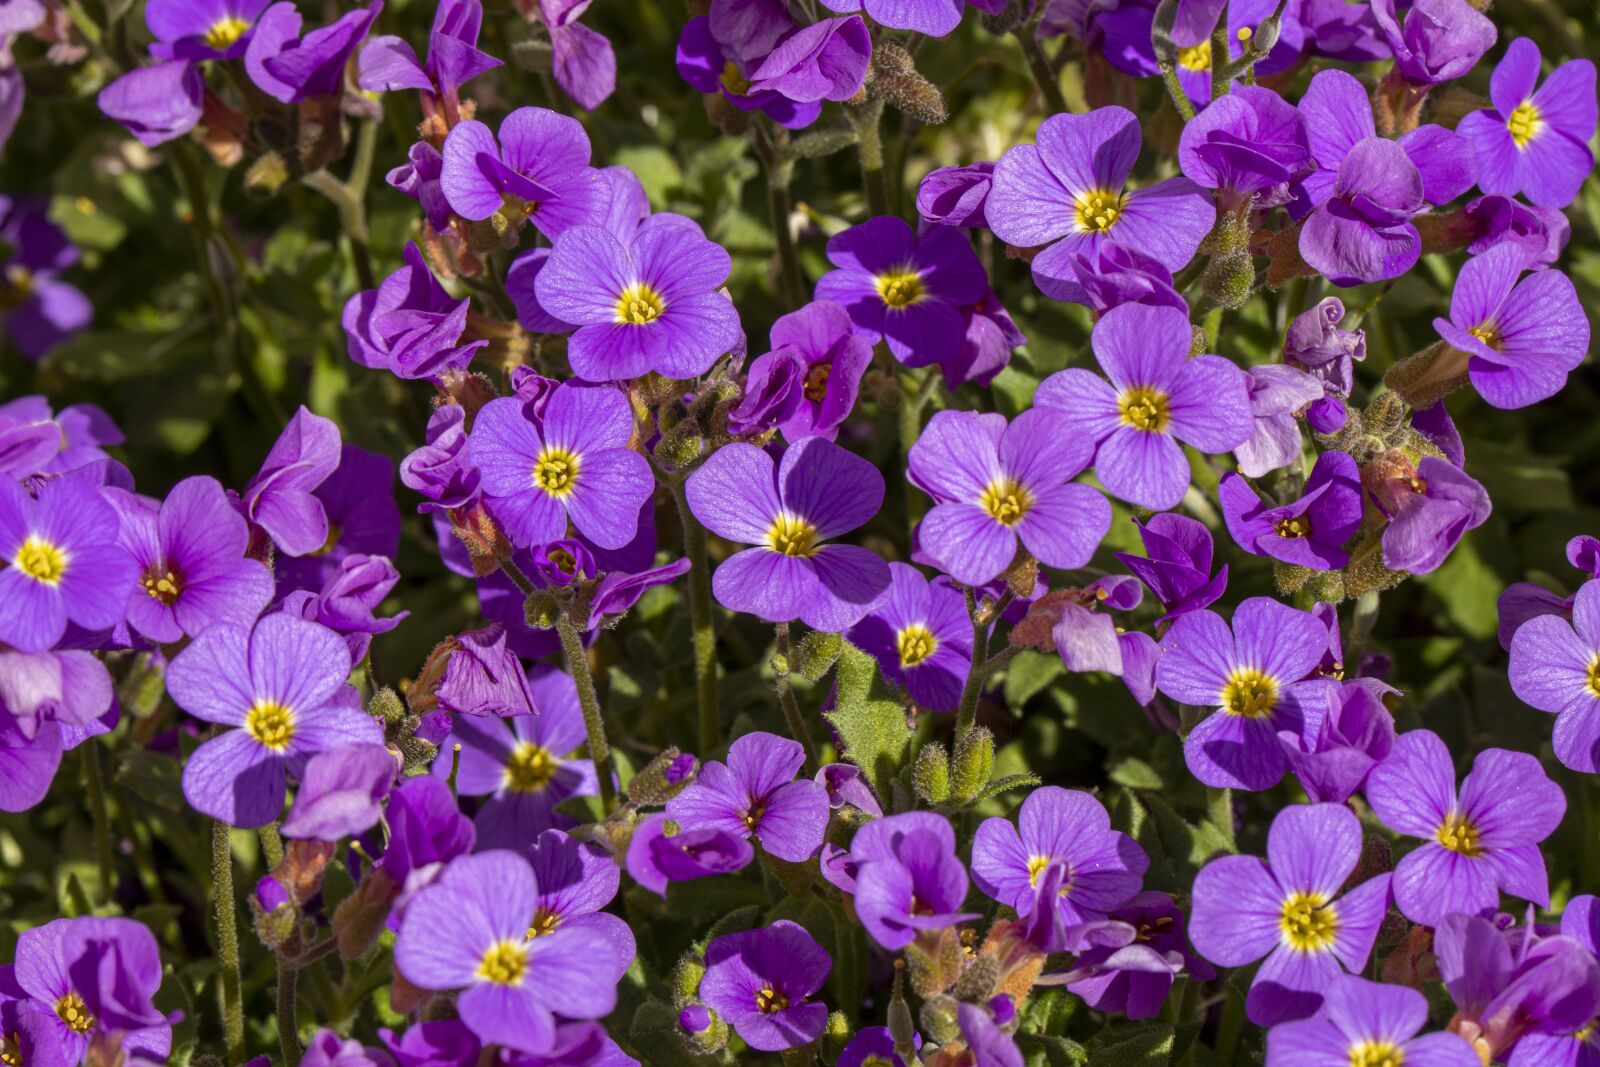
[(409, 325), (1316, 344), (1340, 741), (936, 18), (1308, 532), (760, 982), (1541, 232), (483, 677), (202, 29), (1278, 395), (826, 60), (1521, 601), (426, 831), (719, 51), (539, 163), (341, 792), (1436, 40), (158, 102), (955, 196), (1365, 1023), (1108, 274), (576, 880), (1176, 566), (363, 520), (418, 178), (662, 851), (582, 60), (1249, 145), (921, 637), (1555, 667), (40, 310), (388, 63), (808, 383), (291, 68), (754, 794), (439, 470), (1134, 974), (280, 499), (991, 336), (1553, 1043), (328, 1049), (1429, 512), (444, 1043), (908, 878)]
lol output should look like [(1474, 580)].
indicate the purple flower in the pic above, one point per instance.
[(1158, 395), (576, 1045), (904, 288), (826, 60), (1563, 971), (388, 63), (341, 792), (446, 1043), (1341, 30), (1289, 910), (280, 499), (1477, 841), (921, 637), (1555, 667), (190, 554), (1439, 40), (1255, 676), (70, 687), (955, 196), (328, 1049), (788, 510), (657, 856), (809, 382), (291, 68), (1250, 143), (1308, 532), (426, 829), (1315, 343), (908, 879), (1522, 601), (27, 764), (576, 880), (523, 764), (469, 931), (41, 310), (1541, 232), (1521, 339), (873, 1046), (484, 677), (345, 605), (582, 60), (1108, 274), (754, 795), (1064, 828), (1133, 974), (363, 520), (720, 51), (419, 179), (440, 470), (991, 335), (202, 29), (987, 1044), (936, 18), (573, 462), (34, 441), (1429, 512), (846, 784), (648, 305), (1535, 141), (1277, 394), (1362, 1022), (994, 485), (1340, 741), (541, 160), (282, 685), (1070, 192), (409, 325), (59, 562), (619, 591), (1176, 566), (158, 102), (759, 981)]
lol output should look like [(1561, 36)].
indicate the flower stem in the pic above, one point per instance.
[(271, 845), (523, 583), (916, 387), (227, 938), (96, 788), (779, 171), (1180, 98), (867, 120), (1044, 75), (702, 623), (288, 1027), (798, 727), (967, 715), (350, 198), (578, 667)]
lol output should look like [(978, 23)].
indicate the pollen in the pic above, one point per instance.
[(1098, 210), (162, 584), (1145, 408), (770, 999), (733, 81), (1250, 692), (11, 1051), (1458, 834), (752, 816), (1293, 529), (544, 922), (1488, 332), (71, 1010), (225, 31), (530, 768), (1525, 123), (270, 723), (556, 471), (1036, 866), (1376, 1054), (640, 305), (790, 535), (1592, 679), (1007, 501), (1309, 923), (1196, 57), (915, 644), (816, 383), (40, 560), (900, 287), (504, 964)]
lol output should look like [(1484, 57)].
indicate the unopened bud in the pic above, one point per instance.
[(541, 609), (978, 980), (662, 779), (836, 1036), (266, 176), (897, 80), (932, 774), (686, 979), (815, 654), (387, 705), (939, 1020), (1229, 279), (680, 447), (817, 143), (974, 760), (485, 544)]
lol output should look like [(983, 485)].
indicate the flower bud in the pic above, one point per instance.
[(938, 1017), (266, 176), (978, 981), (662, 779), (680, 447), (815, 654), (360, 917), (898, 82), (1229, 279), (836, 1036), (686, 978), (974, 760), (932, 775), (386, 705), (541, 609)]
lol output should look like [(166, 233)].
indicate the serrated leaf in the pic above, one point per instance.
[(869, 719)]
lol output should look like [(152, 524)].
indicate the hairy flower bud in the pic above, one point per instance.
[(974, 760), (932, 776), (938, 1017), (898, 82), (1229, 279)]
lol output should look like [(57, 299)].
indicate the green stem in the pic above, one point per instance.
[(523, 583), (271, 845), (288, 1027), (867, 119), (1044, 75), (227, 938), (578, 667), (1180, 98), (702, 621), (967, 714), (350, 197), (799, 729), (999, 660), (779, 171), (95, 780), (916, 388), (1221, 73)]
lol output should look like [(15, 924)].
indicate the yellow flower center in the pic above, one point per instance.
[(900, 287), (556, 471), (19, 280), (1145, 408), (640, 305), (733, 81), (1250, 692), (545, 922), (11, 1051), (1308, 923), (564, 561), (1457, 834), (162, 585), (1376, 1054), (1099, 209), (1007, 501), (270, 723), (791, 535), (225, 31), (1196, 56), (1525, 123), (1036, 866), (530, 768), (72, 1011), (504, 964), (1293, 528), (1487, 332), (41, 560), (916, 643), (816, 384), (769, 1000), (1593, 682)]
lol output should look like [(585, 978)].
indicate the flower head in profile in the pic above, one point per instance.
[(662, 851), (290, 67), (789, 510), (281, 497), (1289, 909), (1430, 507), (40, 309), (1341, 740), (35, 440), (908, 878), (1176, 566), (1534, 140), (157, 102), (903, 288), (1316, 344), (1109, 274), (1129, 967), (1436, 40), (921, 637), (1279, 396), (755, 794), (955, 196), (1249, 144), (582, 60), (648, 303), (808, 383), (1367, 1024), (341, 793), (1308, 532), (720, 51), (409, 325), (1476, 841), (470, 931), (761, 982), (539, 165), (1157, 396), (388, 63)]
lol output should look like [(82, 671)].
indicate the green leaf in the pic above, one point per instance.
[(1136, 774), (869, 719), (1151, 1047), (152, 777), (1029, 674)]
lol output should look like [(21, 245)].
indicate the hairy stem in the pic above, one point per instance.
[(702, 624), (578, 667), (967, 714), (227, 920), (867, 119), (271, 845), (779, 171), (95, 781), (288, 1026), (798, 727), (1044, 75), (350, 197)]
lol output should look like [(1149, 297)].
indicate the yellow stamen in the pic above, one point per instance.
[(545, 921), (1308, 922), (556, 471), (1250, 692), (225, 31), (770, 1000), (1293, 529), (270, 723), (1525, 123), (530, 768), (1007, 501), (915, 643), (1593, 682), (791, 535), (816, 383), (1487, 332), (504, 964), (41, 560), (1145, 408), (900, 287), (1036, 866), (1196, 57), (733, 81), (71, 1010), (1457, 834), (162, 585), (640, 305), (1376, 1054), (1098, 210)]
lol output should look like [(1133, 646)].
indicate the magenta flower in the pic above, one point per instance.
[(1158, 395), (1521, 339), (1341, 741), (281, 688), (994, 485), (1308, 532), (650, 304), (280, 498), (470, 931), (1249, 144), (921, 637), (1555, 667), (1108, 274), (409, 325), (35, 441), (1176, 566), (291, 68), (571, 463), (1289, 909), (1362, 1022), (905, 289), (1541, 232), (760, 982), (826, 60), (541, 160), (720, 51), (1436, 40), (41, 310), (1553, 1042), (808, 383), (1476, 842), (59, 562), (656, 858), (754, 794), (1069, 191), (908, 878), (1130, 966), (789, 510), (363, 520), (936, 18)]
